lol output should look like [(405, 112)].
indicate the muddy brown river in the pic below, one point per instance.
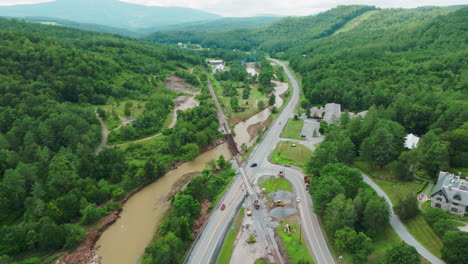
[(125, 241)]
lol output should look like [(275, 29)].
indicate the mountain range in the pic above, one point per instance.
[(112, 13)]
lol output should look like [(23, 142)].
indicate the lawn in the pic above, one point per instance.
[(298, 156), (228, 245), (296, 249), (276, 183), (421, 230), (293, 129), (386, 181)]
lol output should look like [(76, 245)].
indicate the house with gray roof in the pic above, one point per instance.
[(451, 194)]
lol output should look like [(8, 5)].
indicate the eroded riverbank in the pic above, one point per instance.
[(125, 241)]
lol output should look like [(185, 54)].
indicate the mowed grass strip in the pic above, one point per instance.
[(228, 245), (293, 129), (296, 249), (298, 156), (420, 229)]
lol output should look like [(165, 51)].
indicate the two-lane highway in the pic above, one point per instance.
[(206, 247)]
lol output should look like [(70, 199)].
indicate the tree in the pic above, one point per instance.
[(74, 235), (380, 147), (90, 214), (323, 190), (51, 236), (359, 245), (235, 104), (221, 162), (186, 205), (432, 153), (407, 206), (260, 104), (402, 253), (339, 213), (272, 100), (455, 249), (376, 215), (168, 249), (349, 178)]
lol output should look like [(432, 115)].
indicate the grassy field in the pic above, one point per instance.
[(293, 129), (421, 230), (228, 245), (276, 183), (295, 249), (296, 156)]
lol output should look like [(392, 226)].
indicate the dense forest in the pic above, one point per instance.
[(416, 76), (52, 182), (275, 37)]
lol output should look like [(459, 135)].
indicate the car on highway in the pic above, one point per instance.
[(297, 199), (253, 165), (223, 206), (286, 165)]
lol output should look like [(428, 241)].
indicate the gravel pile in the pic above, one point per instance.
[(284, 196), (282, 212)]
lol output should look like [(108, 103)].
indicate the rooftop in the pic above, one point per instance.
[(454, 187)]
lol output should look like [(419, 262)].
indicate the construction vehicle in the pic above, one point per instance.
[(256, 204), (278, 203), (248, 211)]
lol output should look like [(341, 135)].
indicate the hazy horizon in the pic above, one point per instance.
[(238, 8)]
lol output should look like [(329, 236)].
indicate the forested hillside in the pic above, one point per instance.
[(415, 74), (50, 178), (278, 36)]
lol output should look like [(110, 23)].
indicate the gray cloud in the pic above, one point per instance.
[(241, 8)]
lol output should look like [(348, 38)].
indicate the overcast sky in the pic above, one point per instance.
[(242, 8)]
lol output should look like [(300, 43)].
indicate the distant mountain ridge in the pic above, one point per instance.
[(111, 13)]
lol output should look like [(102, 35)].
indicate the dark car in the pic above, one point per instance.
[(223, 207), (253, 165), (303, 136)]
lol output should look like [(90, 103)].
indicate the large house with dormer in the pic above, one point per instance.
[(451, 194)]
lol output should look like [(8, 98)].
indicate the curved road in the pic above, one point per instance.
[(208, 243), (400, 228)]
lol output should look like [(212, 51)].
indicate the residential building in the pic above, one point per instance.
[(451, 194)]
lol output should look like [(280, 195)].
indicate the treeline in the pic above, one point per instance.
[(175, 235), (276, 37), (51, 182)]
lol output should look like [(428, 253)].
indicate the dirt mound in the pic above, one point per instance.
[(178, 85), (282, 212)]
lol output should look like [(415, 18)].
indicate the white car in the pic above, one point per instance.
[(297, 199)]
